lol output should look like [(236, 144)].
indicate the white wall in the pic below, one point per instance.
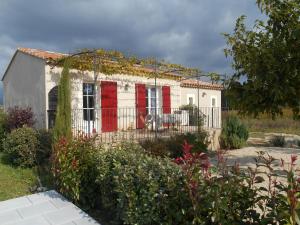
[(126, 98), (24, 86)]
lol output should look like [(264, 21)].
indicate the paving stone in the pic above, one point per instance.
[(9, 217), (37, 209), (65, 215), (14, 204), (48, 208), (86, 221), (43, 196), (32, 221), (71, 223)]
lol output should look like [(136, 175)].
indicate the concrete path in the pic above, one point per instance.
[(47, 208)]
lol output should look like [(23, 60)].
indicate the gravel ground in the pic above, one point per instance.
[(246, 156)]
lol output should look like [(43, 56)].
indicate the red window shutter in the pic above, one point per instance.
[(140, 99), (109, 104), (166, 99)]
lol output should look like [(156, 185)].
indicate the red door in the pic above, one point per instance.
[(140, 102), (109, 104), (166, 97)]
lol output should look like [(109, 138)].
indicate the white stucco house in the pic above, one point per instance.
[(121, 102)]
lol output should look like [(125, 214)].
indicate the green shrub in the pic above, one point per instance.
[(74, 170), (172, 147), (234, 133), (139, 189), (44, 148), (278, 141), (3, 128), (20, 146)]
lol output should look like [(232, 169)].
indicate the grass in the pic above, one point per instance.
[(265, 124), (15, 182)]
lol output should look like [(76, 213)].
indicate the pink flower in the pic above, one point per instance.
[(293, 159), (186, 147), (178, 160)]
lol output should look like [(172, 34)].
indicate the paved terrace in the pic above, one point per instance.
[(47, 208)]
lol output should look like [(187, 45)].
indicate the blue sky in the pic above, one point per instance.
[(181, 31)]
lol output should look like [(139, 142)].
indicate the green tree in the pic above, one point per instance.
[(62, 126), (267, 60)]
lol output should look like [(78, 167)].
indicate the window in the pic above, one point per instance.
[(88, 101), (190, 99), (52, 98), (150, 100), (213, 102)]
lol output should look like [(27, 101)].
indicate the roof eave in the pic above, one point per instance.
[(202, 87)]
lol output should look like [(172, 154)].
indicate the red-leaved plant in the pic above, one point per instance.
[(222, 194), (17, 117)]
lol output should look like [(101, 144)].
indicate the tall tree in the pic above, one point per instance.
[(266, 60), (62, 127)]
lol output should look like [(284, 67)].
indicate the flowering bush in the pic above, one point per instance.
[(18, 117), (74, 169)]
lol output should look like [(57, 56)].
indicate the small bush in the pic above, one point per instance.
[(278, 141), (20, 146), (234, 133), (44, 148), (18, 117)]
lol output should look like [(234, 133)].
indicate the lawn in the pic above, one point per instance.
[(15, 182)]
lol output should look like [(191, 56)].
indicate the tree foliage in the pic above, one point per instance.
[(62, 126), (267, 60)]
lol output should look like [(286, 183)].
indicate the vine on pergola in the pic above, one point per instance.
[(115, 62)]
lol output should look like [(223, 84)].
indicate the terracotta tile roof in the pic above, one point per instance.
[(56, 55), (41, 53), (200, 84)]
